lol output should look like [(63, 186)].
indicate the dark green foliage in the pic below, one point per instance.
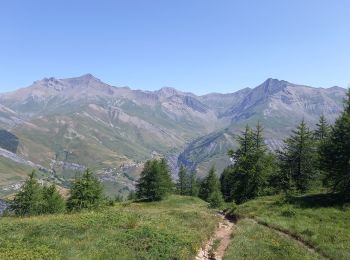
[(29, 200), (210, 190), (209, 185), (298, 160), (252, 170), (33, 199), (187, 183), (226, 181), (215, 199), (246, 144), (182, 185), (118, 198), (53, 202), (321, 135), (132, 195), (194, 185), (86, 192), (155, 181), (335, 153), (323, 130)]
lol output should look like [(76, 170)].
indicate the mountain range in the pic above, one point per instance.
[(61, 126)]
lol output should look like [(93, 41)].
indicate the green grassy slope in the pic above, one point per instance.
[(254, 241), (315, 219), (171, 229)]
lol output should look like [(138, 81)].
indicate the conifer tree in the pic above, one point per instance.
[(131, 195), (323, 130), (155, 181), (297, 159), (259, 138), (182, 185), (209, 185), (246, 143), (86, 192), (53, 202), (29, 200), (215, 199), (335, 152), (253, 166), (226, 183), (321, 134), (193, 185), (167, 182)]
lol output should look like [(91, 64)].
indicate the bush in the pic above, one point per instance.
[(233, 207), (289, 212), (216, 200)]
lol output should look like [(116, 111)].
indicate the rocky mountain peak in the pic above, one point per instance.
[(271, 85), (84, 80), (87, 76), (168, 92)]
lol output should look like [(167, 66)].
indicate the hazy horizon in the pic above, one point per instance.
[(185, 91)]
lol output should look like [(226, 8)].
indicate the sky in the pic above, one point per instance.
[(200, 46)]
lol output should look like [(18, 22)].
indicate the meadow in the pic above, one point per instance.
[(319, 221), (174, 228)]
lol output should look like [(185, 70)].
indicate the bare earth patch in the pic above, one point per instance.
[(216, 246)]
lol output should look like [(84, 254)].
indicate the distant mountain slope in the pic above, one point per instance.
[(83, 121), (142, 121), (67, 125), (278, 99), (8, 117), (278, 105)]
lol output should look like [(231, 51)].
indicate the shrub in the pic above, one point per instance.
[(289, 212), (216, 200)]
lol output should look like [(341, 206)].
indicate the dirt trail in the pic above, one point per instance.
[(216, 246)]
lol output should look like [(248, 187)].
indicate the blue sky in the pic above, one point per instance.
[(193, 45)]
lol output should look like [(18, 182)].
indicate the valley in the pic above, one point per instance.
[(63, 126)]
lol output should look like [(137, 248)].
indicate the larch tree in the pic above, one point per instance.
[(182, 185), (335, 152), (86, 192), (29, 200), (155, 181), (298, 159)]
